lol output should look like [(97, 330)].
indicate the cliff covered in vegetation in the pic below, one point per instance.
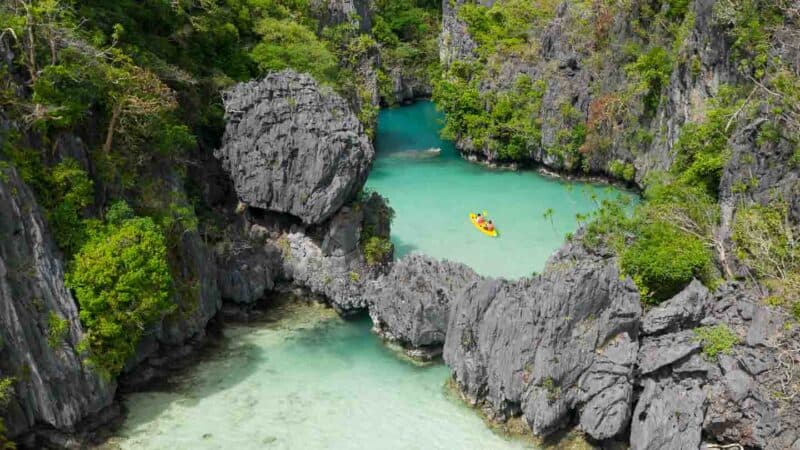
[(127, 237)]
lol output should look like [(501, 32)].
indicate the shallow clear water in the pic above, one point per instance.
[(308, 381), (433, 195), (313, 381)]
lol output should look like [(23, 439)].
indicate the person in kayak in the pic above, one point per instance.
[(489, 226), (479, 219)]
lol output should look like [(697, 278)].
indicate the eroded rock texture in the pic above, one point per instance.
[(412, 302), (52, 389), (559, 344), (293, 147)]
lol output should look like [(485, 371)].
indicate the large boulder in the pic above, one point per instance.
[(412, 302), (559, 345), (52, 388), (294, 147)]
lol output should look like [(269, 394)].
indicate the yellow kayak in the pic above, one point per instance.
[(472, 217)]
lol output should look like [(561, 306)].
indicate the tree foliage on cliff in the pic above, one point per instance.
[(665, 241), (122, 282)]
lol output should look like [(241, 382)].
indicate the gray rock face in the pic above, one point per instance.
[(335, 12), (662, 351), (52, 388), (547, 347), (455, 43), (763, 167), (344, 232), (339, 279), (727, 398), (411, 303), (249, 267), (409, 85), (293, 147), (682, 311), (669, 415)]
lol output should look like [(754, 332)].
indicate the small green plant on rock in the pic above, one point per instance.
[(377, 250), (717, 340), (57, 330), (6, 391), (553, 392)]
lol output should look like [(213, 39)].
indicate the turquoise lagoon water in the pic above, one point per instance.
[(310, 380), (307, 381), (433, 196)]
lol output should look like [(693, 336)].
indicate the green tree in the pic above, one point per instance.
[(663, 260), (286, 44), (122, 282)]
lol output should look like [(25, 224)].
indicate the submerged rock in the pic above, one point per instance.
[(291, 146)]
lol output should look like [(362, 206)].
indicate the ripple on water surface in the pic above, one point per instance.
[(308, 381), (433, 194)]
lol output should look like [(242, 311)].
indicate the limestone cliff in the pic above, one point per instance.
[(52, 390)]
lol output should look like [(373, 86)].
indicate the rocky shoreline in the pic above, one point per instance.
[(571, 348)]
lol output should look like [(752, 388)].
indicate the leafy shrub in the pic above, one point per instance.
[(377, 250), (610, 223), (652, 69), (6, 391), (287, 44), (57, 330), (505, 122), (71, 190), (622, 170), (122, 282), (663, 260), (5, 443), (717, 340), (765, 241), (702, 147), (504, 27)]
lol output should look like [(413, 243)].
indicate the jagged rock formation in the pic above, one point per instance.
[(559, 344), (52, 389), (455, 43), (411, 303), (733, 398), (292, 147), (334, 267)]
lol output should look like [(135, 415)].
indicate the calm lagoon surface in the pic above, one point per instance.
[(433, 196)]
